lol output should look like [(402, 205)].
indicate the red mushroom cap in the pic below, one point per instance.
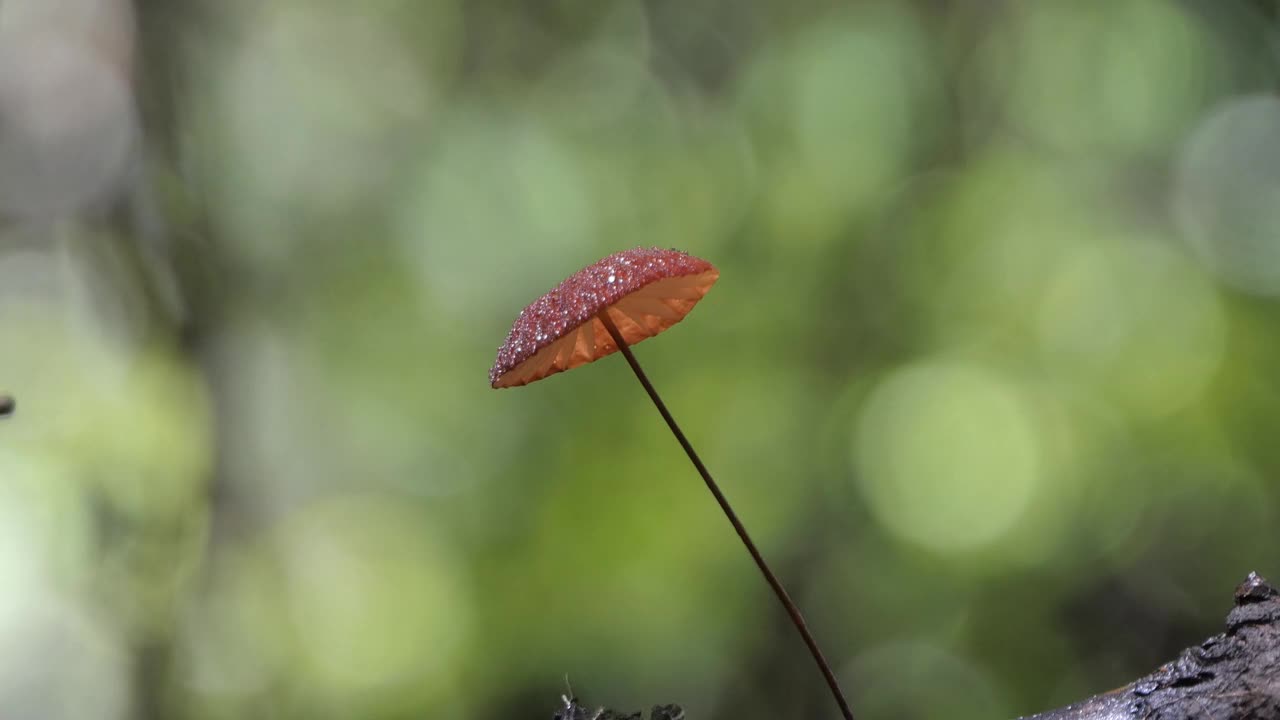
[(645, 291)]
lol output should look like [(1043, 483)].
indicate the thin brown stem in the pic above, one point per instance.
[(792, 610)]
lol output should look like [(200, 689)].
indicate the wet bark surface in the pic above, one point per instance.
[(1234, 675)]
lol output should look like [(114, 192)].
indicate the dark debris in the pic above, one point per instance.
[(571, 709), (1254, 589)]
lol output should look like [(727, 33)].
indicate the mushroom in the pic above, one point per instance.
[(604, 308)]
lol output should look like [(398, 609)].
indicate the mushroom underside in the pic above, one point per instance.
[(638, 316)]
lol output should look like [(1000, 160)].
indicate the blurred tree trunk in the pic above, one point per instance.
[(176, 264)]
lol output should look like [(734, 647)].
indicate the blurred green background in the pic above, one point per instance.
[(990, 372)]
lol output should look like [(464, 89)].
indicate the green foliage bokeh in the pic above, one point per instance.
[(989, 372)]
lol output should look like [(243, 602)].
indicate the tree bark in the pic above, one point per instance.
[(1231, 676)]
